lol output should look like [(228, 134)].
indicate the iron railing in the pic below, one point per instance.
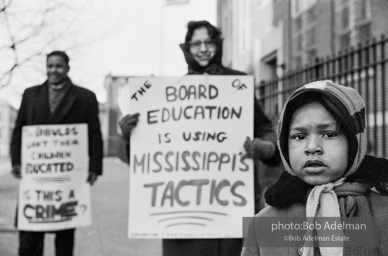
[(363, 67)]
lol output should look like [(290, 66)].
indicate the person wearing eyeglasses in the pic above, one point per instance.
[(202, 50)]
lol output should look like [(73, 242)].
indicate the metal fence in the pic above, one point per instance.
[(363, 67)]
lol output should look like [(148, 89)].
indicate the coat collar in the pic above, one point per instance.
[(42, 104)]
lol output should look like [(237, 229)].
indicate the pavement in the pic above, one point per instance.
[(107, 236), (5, 166)]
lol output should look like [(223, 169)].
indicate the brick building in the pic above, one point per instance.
[(292, 42), (268, 37)]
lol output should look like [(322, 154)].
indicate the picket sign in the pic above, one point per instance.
[(187, 178), (53, 192)]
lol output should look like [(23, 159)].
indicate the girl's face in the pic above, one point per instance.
[(317, 148), (201, 47)]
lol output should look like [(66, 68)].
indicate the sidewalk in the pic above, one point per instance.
[(108, 234), (5, 166)]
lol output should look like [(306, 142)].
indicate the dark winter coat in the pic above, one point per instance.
[(78, 105), (372, 171)]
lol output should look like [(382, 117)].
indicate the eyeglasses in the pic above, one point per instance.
[(197, 44)]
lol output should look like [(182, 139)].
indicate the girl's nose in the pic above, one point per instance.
[(313, 146)]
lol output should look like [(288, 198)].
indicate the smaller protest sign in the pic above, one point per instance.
[(53, 192)]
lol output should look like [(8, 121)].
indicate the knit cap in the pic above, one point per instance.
[(344, 103)]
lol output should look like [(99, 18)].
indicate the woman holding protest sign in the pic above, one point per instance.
[(202, 50)]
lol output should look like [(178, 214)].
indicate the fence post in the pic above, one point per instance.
[(382, 54)]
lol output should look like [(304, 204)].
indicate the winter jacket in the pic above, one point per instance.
[(287, 199), (78, 105)]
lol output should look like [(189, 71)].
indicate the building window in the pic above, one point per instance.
[(361, 10), (344, 41), (298, 24), (298, 62), (345, 18), (311, 55), (299, 43), (363, 32), (271, 67), (311, 15), (310, 37)]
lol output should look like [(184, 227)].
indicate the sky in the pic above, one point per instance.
[(121, 37)]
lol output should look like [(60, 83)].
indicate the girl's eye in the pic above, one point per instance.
[(298, 137), (330, 134)]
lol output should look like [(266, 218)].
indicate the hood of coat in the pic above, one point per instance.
[(344, 103), (215, 64)]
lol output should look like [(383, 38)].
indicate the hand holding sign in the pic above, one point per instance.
[(127, 123), (16, 171), (258, 148), (92, 177)]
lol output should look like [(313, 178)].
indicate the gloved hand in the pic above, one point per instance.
[(92, 177), (258, 148), (127, 123), (16, 171)]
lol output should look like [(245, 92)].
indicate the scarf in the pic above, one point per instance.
[(322, 201), (352, 201), (352, 195)]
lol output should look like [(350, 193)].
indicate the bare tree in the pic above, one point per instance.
[(29, 29)]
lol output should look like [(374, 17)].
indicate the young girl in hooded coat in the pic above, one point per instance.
[(322, 142)]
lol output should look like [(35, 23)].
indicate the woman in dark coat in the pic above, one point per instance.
[(202, 50)]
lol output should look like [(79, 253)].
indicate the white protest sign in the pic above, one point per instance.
[(53, 192), (187, 178)]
